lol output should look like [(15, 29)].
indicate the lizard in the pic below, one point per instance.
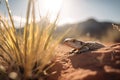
[(81, 46)]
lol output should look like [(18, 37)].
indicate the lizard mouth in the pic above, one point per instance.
[(73, 43)]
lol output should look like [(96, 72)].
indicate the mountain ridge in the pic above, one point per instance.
[(94, 28)]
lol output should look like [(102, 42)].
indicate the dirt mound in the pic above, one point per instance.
[(103, 64)]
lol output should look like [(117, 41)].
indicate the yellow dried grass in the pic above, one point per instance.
[(32, 51)]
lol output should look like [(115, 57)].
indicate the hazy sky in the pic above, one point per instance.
[(71, 10)]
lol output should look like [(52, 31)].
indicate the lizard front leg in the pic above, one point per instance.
[(83, 49), (73, 51)]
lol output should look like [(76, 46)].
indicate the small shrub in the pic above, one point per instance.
[(27, 56)]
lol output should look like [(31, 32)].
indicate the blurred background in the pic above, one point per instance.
[(87, 19)]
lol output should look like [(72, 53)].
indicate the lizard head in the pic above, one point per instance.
[(74, 43)]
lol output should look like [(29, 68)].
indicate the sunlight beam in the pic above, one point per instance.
[(51, 7)]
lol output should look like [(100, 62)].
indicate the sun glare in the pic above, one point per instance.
[(53, 5), (50, 6)]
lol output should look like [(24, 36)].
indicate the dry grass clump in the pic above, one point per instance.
[(26, 57)]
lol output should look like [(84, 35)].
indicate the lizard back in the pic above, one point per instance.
[(94, 45)]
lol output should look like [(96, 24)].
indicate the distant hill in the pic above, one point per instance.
[(91, 28)]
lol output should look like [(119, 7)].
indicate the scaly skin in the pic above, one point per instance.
[(80, 46)]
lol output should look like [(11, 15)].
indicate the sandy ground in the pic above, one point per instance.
[(103, 64)]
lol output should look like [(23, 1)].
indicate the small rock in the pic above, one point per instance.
[(13, 75)]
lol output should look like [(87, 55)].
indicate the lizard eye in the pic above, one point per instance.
[(81, 43), (73, 40)]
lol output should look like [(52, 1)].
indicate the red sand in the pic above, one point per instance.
[(103, 64)]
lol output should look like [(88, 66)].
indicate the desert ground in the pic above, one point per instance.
[(103, 64)]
